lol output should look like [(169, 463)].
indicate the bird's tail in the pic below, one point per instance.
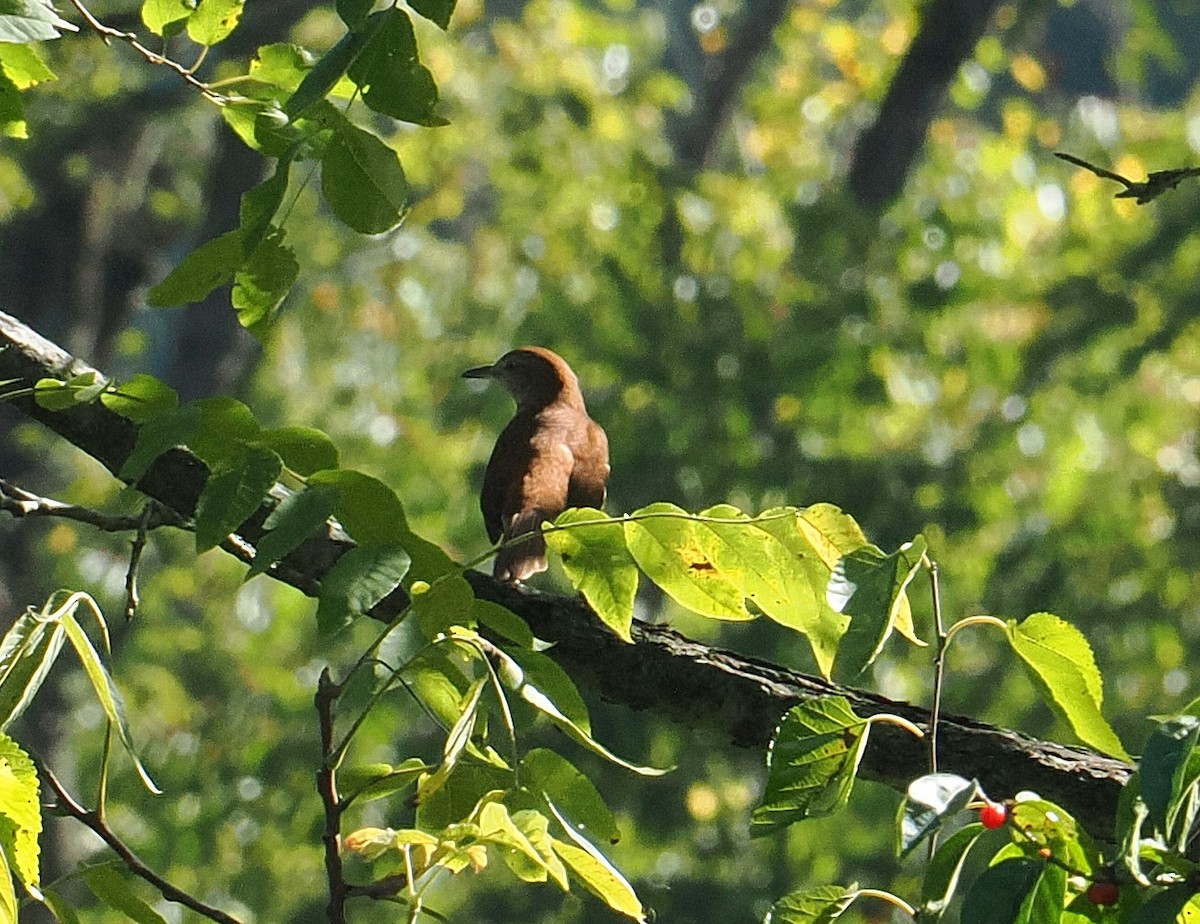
[(526, 558)]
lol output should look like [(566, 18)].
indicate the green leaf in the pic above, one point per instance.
[(211, 265), (354, 12), (517, 677), (59, 907), (997, 896), (357, 581), (141, 398), (304, 450), (598, 565), (941, 876), (456, 741), (669, 547), (8, 895), (869, 587), (19, 805), (58, 395), (12, 109), (296, 518), (326, 73), (106, 691), (158, 435), (811, 764), (1164, 907), (496, 825), (23, 21), (811, 906), (548, 677), (1164, 764), (536, 829), (261, 203), (233, 493), (598, 876), (24, 65), (1061, 665), (27, 652), (445, 603), (363, 182), (457, 798), (115, 890), (552, 776), (262, 283), (378, 781), (214, 20), (1049, 826), (504, 622), (226, 425), (166, 17), (436, 11), (367, 508), (930, 802), (809, 539), (390, 73)]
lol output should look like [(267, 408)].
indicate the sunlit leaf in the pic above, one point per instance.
[(166, 17), (594, 870), (456, 742), (378, 781), (203, 270), (27, 652), (214, 20), (106, 691), (304, 450), (368, 509), (263, 281), (548, 773), (141, 398), (598, 564), (19, 804), (1060, 662), (24, 66), (667, 545)]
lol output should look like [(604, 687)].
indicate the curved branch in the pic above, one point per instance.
[(694, 684)]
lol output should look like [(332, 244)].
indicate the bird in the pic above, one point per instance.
[(550, 456)]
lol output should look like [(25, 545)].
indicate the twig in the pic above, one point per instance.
[(93, 822), (137, 546), (325, 700), (21, 503), (1155, 184), (108, 34)]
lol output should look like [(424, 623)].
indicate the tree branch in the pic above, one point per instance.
[(741, 698), (95, 823)]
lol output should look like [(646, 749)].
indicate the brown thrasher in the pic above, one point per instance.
[(551, 456)]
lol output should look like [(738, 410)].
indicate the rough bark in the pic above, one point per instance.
[(661, 671)]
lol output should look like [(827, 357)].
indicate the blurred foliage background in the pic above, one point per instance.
[(678, 198)]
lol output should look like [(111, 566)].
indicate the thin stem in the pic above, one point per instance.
[(21, 503), (137, 546), (97, 825), (325, 701), (939, 662), (891, 899), (108, 34)]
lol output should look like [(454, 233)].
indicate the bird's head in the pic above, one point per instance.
[(534, 376)]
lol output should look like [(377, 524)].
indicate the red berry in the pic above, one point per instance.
[(993, 815), (1103, 893)]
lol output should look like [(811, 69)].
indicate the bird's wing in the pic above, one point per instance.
[(538, 495), (589, 477)]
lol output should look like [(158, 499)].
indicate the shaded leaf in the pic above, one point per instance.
[(116, 891), (551, 775), (326, 73), (141, 398), (233, 493), (296, 518), (263, 281), (436, 11), (930, 801), (27, 652), (362, 181), (390, 73), (304, 450), (941, 876), (1000, 891), (357, 581), (23, 21), (1164, 763), (811, 906), (869, 587), (369, 510), (811, 763), (203, 270), (378, 781)]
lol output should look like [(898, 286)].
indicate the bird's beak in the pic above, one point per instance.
[(479, 372)]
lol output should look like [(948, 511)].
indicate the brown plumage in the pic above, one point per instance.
[(551, 456)]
